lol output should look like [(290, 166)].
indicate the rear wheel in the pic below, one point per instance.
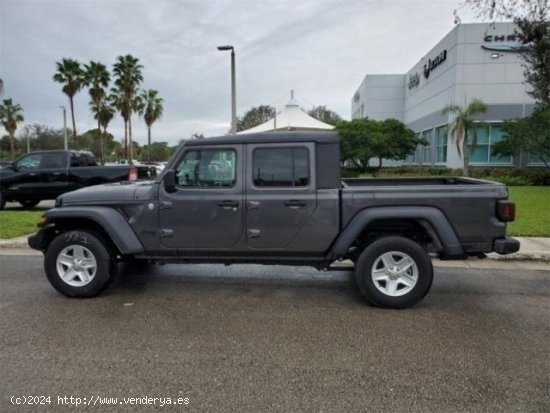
[(2, 201), (29, 203), (78, 264), (394, 272)]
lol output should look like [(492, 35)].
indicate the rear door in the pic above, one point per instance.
[(206, 210), (280, 193), (53, 174)]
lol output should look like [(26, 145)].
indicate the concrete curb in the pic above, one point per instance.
[(19, 242), (533, 249)]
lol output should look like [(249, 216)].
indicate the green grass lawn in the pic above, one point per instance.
[(532, 211), (16, 223), (532, 215)]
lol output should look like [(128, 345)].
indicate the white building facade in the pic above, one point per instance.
[(478, 60)]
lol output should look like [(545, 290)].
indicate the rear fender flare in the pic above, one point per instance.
[(434, 217)]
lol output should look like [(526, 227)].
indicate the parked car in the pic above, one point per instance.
[(48, 174), (282, 202)]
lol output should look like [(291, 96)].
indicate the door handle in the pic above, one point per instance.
[(295, 203), (228, 204)]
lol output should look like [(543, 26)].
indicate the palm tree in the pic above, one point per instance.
[(70, 74), (96, 77), (10, 116), (127, 71), (118, 102), (151, 110), (103, 114), (463, 125), (1, 86)]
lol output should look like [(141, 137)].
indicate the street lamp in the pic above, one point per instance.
[(233, 88), (65, 144)]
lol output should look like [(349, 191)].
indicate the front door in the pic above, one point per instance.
[(280, 193), (206, 210)]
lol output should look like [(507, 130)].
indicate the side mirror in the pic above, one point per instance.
[(169, 180), (14, 165)]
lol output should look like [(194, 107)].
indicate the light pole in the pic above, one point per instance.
[(65, 144), (233, 89)]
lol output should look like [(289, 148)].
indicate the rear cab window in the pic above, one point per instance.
[(281, 167)]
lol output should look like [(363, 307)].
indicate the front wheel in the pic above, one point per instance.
[(78, 264), (394, 272)]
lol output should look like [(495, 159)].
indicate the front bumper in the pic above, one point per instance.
[(506, 245)]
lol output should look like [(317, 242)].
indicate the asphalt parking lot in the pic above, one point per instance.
[(253, 338)]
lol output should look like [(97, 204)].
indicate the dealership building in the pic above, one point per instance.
[(478, 60)]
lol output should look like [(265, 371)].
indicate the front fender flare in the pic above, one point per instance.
[(437, 220), (111, 220)]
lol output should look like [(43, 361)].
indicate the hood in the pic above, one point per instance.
[(115, 193)]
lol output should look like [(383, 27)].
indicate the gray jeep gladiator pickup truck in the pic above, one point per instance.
[(274, 198)]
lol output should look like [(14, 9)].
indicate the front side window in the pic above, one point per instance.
[(29, 162), (207, 168), (280, 167)]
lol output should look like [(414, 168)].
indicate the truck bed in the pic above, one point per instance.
[(413, 181), (468, 203)]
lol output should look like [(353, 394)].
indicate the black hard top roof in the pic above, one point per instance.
[(268, 137)]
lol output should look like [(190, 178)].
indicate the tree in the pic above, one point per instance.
[(117, 101), (536, 34), (128, 77), (43, 137), (395, 141), (150, 107), (97, 142), (532, 18), (71, 76), (104, 113), (96, 77), (363, 139), (462, 128), (531, 134), (1, 86), (324, 115), (158, 151), (255, 116), (10, 115)]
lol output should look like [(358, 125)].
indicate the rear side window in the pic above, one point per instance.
[(280, 167), (53, 161)]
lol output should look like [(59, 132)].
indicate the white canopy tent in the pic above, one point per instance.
[(292, 117)]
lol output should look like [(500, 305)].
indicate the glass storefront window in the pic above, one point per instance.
[(441, 143), (486, 136)]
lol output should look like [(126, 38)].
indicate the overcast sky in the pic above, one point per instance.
[(320, 48)]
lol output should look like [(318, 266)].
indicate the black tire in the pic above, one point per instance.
[(29, 203), (2, 201), (105, 267), (372, 262)]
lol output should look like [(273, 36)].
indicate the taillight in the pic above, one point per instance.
[(506, 211), (133, 174)]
